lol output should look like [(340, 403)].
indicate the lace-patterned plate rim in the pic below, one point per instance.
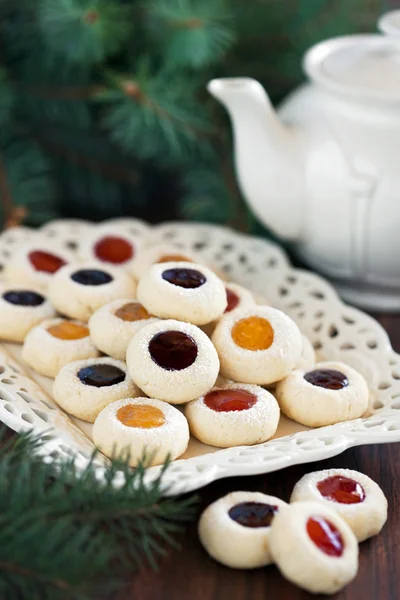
[(338, 332)]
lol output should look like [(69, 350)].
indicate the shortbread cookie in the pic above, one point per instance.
[(173, 361), (141, 429), (161, 253), (112, 326), (257, 344), (77, 291), (235, 529), (55, 343), (21, 308), (330, 393), (110, 246), (83, 388), (307, 359), (36, 263), (358, 499), (238, 297), (313, 547), (233, 415), (185, 291)]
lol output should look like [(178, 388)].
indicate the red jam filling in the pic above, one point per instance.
[(341, 489), (173, 350), (253, 514), (113, 249), (45, 261), (325, 536), (184, 278), (233, 300), (229, 400), (330, 379)]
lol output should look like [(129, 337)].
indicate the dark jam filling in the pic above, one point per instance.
[(253, 514), (173, 350), (233, 300), (341, 489), (45, 261), (91, 277), (325, 536), (101, 375), (229, 400), (113, 249), (185, 278), (330, 379), (23, 298)]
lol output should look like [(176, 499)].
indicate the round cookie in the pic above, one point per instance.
[(55, 343), (35, 264), (313, 547), (354, 496), (160, 253), (77, 291), (238, 297), (233, 415), (307, 359), (112, 326), (257, 344), (185, 291), (235, 529), (141, 429), (83, 388), (21, 308), (109, 246), (330, 393), (173, 361)]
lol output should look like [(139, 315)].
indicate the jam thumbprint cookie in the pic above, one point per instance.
[(83, 388), (173, 361), (233, 415), (257, 344), (109, 246), (330, 393), (358, 500), (77, 291), (141, 429), (112, 326), (21, 308), (161, 253), (55, 343), (36, 264), (313, 547), (184, 291), (235, 529)]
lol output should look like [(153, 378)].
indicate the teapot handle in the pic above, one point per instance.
[(389, 23)]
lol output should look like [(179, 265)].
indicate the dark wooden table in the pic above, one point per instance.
[(191, 575)]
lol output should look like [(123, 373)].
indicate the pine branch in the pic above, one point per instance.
[(67, 534)]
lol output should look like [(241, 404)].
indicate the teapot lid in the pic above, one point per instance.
[(366, 66)]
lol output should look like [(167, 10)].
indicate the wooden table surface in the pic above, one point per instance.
[(190, 574)]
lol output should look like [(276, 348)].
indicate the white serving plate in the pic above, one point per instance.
[(337, 331)]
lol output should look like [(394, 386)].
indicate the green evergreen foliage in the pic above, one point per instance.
[(66, 535), (103, 107)]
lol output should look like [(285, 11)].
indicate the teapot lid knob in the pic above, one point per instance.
[(389, 23)]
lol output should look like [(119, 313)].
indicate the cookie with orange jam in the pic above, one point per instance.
[(259, 344), (112, 326), (55, 343), (141, 428), (233, 415), (84, 387), (161, 253)]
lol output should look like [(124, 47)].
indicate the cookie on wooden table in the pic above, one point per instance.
[(21, 308), (55, 343), (141, 428), (77, 291)]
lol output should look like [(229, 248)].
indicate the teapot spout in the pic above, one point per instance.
[(267, 155)]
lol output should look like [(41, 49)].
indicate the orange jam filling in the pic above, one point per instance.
[(68, 331), (253, 333), (173, 258), (132, 311), (140, 415)]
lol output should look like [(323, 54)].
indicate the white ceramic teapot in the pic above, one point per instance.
[(325, 171)]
